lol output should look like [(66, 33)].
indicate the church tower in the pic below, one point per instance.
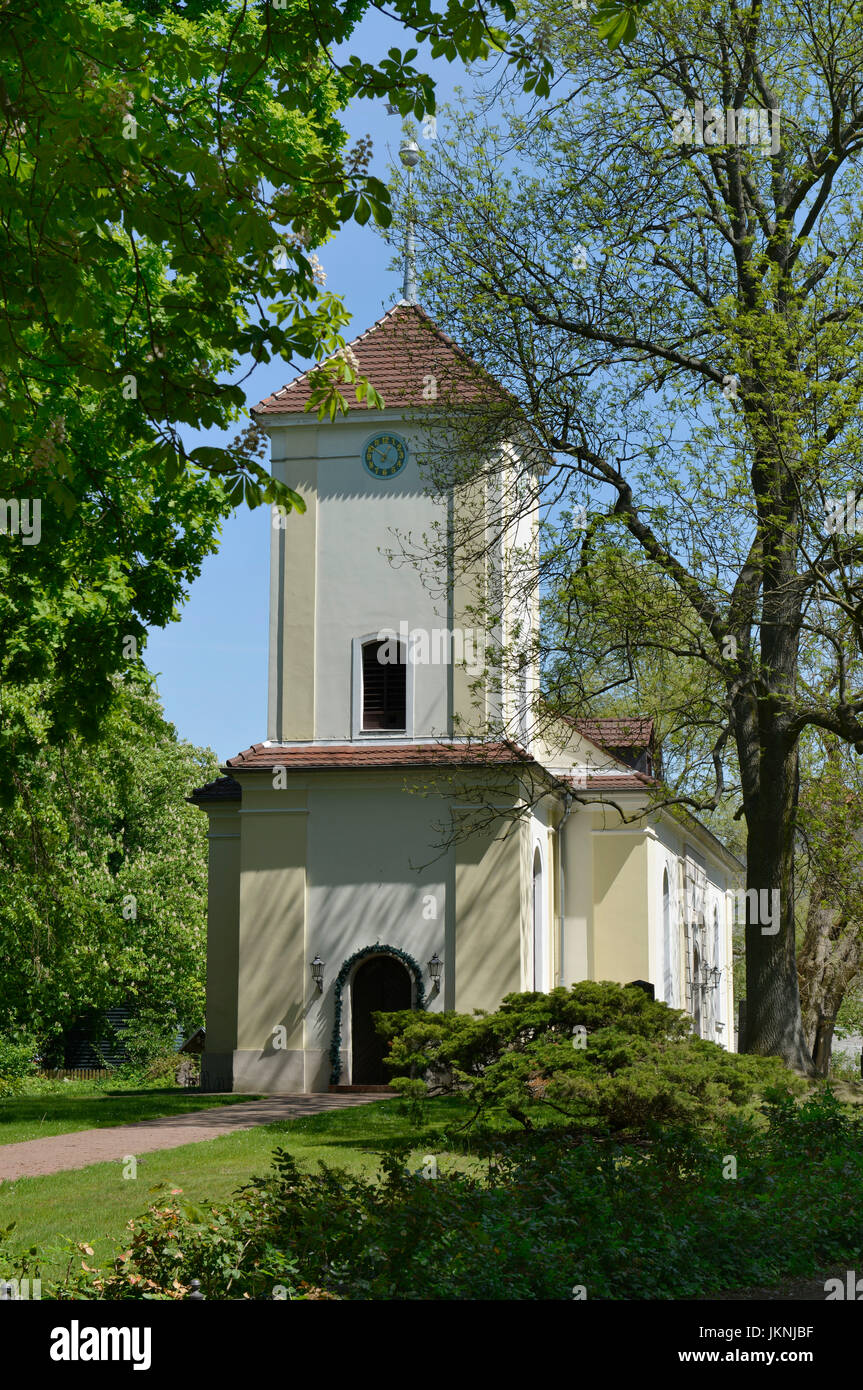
[(401, 839), (367, 647), (334, 853)]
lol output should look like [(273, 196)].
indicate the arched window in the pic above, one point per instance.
[(384, 701), (696, 991), (668, 991), (718, 961), (539, 982)]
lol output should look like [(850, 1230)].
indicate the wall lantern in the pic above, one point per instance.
[(435, 966), (318, 973), (714, 975)]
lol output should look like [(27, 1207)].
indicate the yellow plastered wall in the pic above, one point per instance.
[(488, 919), (578, 953), (469, 706), (293, 574), (272, 967), (620, 935), (223, 918)]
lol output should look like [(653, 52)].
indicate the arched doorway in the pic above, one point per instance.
[(539, 982), (380, 984)]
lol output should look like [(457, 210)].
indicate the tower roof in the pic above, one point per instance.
[(409, 361)]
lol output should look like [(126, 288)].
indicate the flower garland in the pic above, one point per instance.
[(376, 950)]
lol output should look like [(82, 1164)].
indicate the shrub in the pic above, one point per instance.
[(595, 1054), (844, 1067), (662, 1221), (146, 1037), (163, 1068), (18, 1057)]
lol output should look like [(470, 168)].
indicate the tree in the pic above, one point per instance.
[(167, 168), (830, 960), (829, 885), (672, 296), (103, 875), (594, 1052)]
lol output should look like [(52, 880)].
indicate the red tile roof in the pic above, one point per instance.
[(396, 354), (261, 757), (601, 780), (223, 789), (615, 733)]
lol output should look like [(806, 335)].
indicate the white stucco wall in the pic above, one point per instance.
[(357, 590), (670, 853), (369, 880)]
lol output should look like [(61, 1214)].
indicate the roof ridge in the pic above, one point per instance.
[(353, 342), (403, 311), (262, 755)]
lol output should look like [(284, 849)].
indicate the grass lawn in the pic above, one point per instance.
[(93, 1204), (87, 1105)]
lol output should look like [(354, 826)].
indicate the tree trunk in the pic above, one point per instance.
[(774, 1027), (831, 958)]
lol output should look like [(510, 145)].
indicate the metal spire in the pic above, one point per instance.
[(410, 157)]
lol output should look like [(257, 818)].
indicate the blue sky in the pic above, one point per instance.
[(211, 666)]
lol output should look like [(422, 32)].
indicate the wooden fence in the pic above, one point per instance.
[(75, 1074), (190, 1080)]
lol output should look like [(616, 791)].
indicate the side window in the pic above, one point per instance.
[(384, 703), (667, 943)]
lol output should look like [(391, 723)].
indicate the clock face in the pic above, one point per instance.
[(385, 455)]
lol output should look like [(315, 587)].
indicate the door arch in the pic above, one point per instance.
[(380, 983), (342, 998)]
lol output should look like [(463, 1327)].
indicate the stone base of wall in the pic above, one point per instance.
[(269, 1073)]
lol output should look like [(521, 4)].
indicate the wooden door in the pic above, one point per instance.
[(380, 984)]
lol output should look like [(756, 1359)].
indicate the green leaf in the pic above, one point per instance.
[(216, 460)]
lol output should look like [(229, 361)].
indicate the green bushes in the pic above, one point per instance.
[(673, 1219), (17, 1056), (163, 1068), (639, 1163), (595, 1054), (147, 1037), (18, 1061)]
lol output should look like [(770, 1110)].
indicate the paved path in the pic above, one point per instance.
[(36, 1157)]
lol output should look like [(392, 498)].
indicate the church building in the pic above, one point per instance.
[(380, 848)]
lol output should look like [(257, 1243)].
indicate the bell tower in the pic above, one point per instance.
[(366, 646)]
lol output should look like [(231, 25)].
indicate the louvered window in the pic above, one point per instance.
[(384, 686)]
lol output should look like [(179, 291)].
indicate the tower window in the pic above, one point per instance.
[(384, 685)]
